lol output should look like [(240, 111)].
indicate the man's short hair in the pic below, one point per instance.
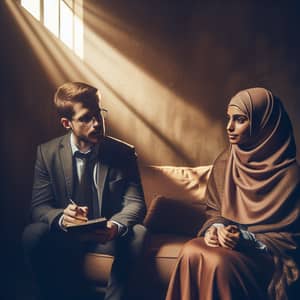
[(73, 92)]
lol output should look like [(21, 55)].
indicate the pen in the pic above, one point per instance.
[(77, 207), (72, 202)]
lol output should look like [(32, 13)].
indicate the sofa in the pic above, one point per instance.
[(176, 211)]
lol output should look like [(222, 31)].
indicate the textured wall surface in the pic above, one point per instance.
[(168, 69)]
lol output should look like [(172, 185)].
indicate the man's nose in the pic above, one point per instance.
[(97, 122)]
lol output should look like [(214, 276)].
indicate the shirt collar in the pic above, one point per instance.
[(74, 147)]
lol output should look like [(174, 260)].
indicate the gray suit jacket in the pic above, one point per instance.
[(120, 191)]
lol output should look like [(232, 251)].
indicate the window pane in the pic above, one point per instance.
[(33, 6), (78, 28), (69, 3), (66, 24), (51, 15)]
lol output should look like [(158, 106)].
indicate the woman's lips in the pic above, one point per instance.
[(232, 136)]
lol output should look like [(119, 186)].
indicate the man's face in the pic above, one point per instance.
[(87, 125), (238, 127)]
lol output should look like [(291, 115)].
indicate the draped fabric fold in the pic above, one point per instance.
[(259, 180)]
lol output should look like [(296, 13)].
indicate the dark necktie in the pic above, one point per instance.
[(85, 193)]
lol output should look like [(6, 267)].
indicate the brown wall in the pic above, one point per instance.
[(167, 70)]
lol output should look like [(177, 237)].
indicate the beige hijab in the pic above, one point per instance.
[(260, 180)]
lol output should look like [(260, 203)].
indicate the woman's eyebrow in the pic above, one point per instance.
[(237, 115)]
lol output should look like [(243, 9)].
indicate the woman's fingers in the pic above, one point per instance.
[(211, 241), (226, 244), (211, 238), (228, 236), (224, 239)]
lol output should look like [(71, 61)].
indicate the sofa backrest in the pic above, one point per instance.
[(181, 183), (175, 198)]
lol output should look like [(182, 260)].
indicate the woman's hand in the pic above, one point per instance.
[(211, 237), (228, 236)]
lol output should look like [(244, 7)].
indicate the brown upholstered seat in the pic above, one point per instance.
[(175, 201)]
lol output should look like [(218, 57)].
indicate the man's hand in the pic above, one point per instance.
[(228, 236), (211, 237), (74, 214), (102, 235)]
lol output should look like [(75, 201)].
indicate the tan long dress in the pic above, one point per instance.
[(207, 273)]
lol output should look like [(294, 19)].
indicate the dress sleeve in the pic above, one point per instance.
[(214, 193)]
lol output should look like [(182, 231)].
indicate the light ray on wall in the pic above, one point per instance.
[(142, 110), (173, 120)]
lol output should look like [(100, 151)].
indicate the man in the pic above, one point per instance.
[(79, 176)]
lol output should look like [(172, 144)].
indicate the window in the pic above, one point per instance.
[(62, 17)]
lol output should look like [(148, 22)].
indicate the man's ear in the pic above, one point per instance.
[(65, 123)]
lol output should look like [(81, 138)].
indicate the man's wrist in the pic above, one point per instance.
[(61, 223), (122, 229)]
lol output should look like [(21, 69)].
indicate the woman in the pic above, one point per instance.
[(247, 248)]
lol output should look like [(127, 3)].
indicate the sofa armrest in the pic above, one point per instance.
[(173, 216)]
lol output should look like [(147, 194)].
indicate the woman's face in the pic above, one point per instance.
[(238, 126)]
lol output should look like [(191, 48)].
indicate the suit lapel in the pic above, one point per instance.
[(103, 169), (103, 153), (67, 163)]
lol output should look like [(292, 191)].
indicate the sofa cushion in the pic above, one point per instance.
[(184, 217), (161, 256), (97, 267), (181, 183)]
